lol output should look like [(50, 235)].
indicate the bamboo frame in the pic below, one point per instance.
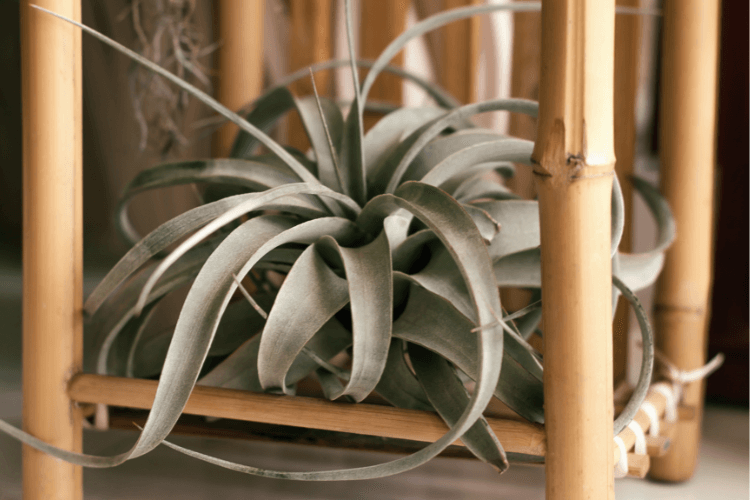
[(240, 61), (52, 243), (375, 420), (687, 143), (574, 165)]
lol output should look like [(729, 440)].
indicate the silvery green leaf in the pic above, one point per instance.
[(398, 385), (368, 272), (319, 128), (521, 269), (386, 135), (428, 132), (476, 187), (432, 322), (519, 225), (485, 222), (647, 360), (352, 151), (479, 156), (309, 297), (260, 201), (448, 395), (442, 98)]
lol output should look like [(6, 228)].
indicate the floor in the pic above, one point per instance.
[(722, 473)]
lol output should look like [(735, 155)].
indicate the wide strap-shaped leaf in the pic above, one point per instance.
[(478, 156), (398, 385), (519, 225), (352, 152), (386, 135), (322, 120), (433, 323), (260, 201), (309, 297), (449, 397), (369, 277), (422, 137)]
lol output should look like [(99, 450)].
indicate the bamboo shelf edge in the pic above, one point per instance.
[(375, 420)]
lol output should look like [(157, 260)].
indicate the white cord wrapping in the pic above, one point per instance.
[(670, 409), (621, 469), (653, 418), (640, 437)]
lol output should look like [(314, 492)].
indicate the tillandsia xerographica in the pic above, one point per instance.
[(393, 246)]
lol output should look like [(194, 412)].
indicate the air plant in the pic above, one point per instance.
[(392, 245)]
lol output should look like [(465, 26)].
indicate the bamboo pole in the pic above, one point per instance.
[(52, 243), (309, 43), (385, 421), (627, 50), (574, 165), (239, 24), (380, 22), (459, 54), (687, 143)]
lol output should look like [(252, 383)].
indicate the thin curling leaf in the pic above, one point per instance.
[(659, 208), (206, 99), (647, 360), (352, 151), (433, 323), (487, 225), (309, 297), (459, 115), (398, 385), (432, 23), (448, 395), (259, 202), (441, 97), (369, 277), (250, 175), (617, 215), (267, 110)]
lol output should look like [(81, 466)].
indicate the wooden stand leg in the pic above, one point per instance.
[(240, 61), (574, 157), (688, 96), (52, 243)]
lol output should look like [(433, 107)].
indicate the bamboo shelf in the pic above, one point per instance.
[(575, 160)]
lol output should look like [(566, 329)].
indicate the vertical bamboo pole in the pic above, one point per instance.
[(309, 43), (380, 22), (574, 158), (627, 49), (688, 97), (459, 54), (239, 24), (52, 243)]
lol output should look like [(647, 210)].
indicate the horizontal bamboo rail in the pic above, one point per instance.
[(517, 436), (383, 421)]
